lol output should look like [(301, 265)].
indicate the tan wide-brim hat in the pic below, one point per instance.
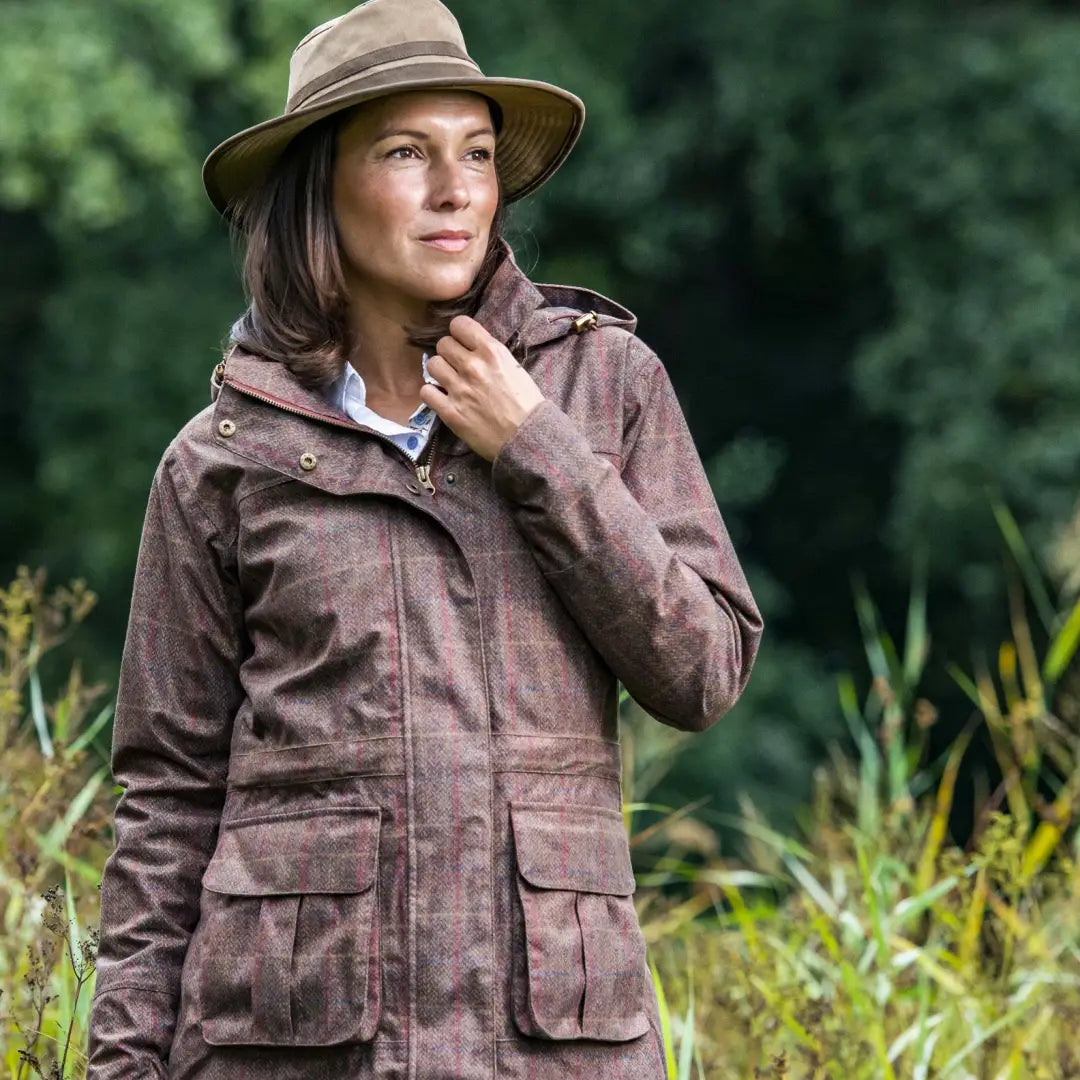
[(384, 47)]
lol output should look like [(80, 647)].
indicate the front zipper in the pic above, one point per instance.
[(247, 391), (421, 466), (423, 462)]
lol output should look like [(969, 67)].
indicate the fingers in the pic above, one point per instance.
[(462, 364), (434, 398), (470, 333), (450, 352), (442, 370), (471, 351), (446, 408)]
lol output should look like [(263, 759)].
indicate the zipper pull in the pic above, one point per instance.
[(423, 474)]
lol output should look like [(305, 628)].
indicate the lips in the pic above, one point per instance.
[(449, 240)]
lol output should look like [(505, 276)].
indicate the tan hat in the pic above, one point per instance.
[(383, 47)]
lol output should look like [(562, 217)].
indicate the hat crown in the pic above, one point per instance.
[(367, 30)]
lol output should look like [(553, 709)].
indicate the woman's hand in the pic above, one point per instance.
[(485, 392)]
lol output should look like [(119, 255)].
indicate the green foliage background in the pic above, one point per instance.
[(851, 230)]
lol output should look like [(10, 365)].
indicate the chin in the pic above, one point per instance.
[(448, 285)]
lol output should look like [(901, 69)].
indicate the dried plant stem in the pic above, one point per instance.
[(79, 983), (28, 1056)]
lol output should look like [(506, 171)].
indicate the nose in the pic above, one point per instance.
[(449, 189)]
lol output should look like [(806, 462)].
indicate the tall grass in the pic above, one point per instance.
[(873, 946), (55, 801)]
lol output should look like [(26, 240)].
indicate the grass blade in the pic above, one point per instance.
[(58, 834), (939, 823), (1033, 578), (960, 677), (665, 1022), (686, 1046), (1002, 1022), (86, 737), (944, 978), (811, 886), (876, 643), (973, 922), (37, 711), (1063, 647), (916, 638), (1048, 833)]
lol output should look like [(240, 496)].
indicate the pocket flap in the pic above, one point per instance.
[(581, 848), (329, 850)]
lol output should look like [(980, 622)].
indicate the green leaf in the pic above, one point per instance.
[(37, 711), (1033, 578), (87, 736), (665, 1022), (686, 1046), (1063, 647), (57, 836)]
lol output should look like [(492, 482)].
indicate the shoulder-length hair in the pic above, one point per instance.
[(292, 274)]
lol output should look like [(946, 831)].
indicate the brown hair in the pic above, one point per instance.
[(297, 301)]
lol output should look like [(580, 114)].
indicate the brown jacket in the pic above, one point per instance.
[(368, 734)]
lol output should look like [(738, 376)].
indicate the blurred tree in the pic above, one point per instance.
[(851, 231), (117, 327)]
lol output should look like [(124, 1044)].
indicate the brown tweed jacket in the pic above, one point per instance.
[(368, 734)]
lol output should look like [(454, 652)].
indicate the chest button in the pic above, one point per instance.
[(226, 429), (308, 462)]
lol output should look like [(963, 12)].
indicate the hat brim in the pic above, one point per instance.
[(540, 124)]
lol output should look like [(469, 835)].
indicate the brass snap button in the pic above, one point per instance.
[(308, 462), (413, 486), (226, 429), (584, 322), (451, 478)]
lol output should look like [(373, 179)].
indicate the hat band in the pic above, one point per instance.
[(376, 58)]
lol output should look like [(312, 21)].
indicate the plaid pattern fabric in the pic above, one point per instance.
[(579, 973), (295, 898), (368, 735)]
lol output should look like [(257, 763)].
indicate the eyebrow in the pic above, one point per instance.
[(423, 136)]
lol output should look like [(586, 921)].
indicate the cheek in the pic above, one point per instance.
[(487, 199), (358, 215), (366, 210)]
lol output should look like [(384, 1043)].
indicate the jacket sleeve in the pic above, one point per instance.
[(178, 692), (642, 560)]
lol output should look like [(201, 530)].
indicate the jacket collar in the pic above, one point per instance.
[(515, 311)]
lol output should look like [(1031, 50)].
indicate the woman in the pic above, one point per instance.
[(388, 584)]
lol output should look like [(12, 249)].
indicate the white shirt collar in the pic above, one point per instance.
[(349, 394)]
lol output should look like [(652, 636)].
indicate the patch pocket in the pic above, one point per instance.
[(289, 953), (581, 972)]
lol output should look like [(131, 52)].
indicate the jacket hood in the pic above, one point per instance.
[(521, 313), (514, 310)]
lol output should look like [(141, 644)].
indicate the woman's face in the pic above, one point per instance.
[(415, 192)]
